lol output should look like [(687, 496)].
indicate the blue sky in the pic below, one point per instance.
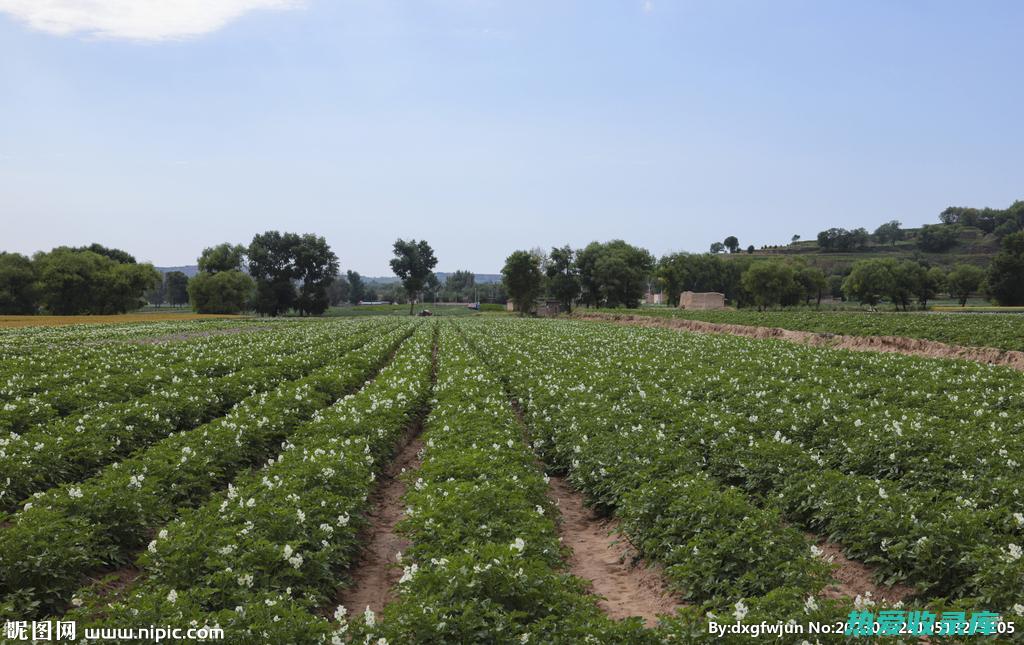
[(483, 126)]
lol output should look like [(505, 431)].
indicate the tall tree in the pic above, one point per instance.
[(1006, 273), (223, 257), (770, 283), (869, 281), (413, 263), (272, 265), (315, 266), (225, 292), (18, 293), (357, 288), (521, 277), (812, 283), (176, 288), (717, 247), (732, 244), (963, 280), (563, 276)]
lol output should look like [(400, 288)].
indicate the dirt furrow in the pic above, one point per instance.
[(852, 578), (375, 576), (607, 563), (892, 344)]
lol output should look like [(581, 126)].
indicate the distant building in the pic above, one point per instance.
[(707, 300), (654, 298), (546, 308)]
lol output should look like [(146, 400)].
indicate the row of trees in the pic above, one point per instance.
[(74, 280)]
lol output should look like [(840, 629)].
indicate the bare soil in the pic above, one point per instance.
[(376, 575), (894, 344), (607, 563), (173, 338), (852, 579)]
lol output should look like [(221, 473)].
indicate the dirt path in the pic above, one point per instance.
[(852, 578), (375, 576), (606, 562), (894, 344)]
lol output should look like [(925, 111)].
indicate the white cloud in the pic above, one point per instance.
[(135, 19)]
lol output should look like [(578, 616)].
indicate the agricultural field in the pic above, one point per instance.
[(235, 474), (999, 330)]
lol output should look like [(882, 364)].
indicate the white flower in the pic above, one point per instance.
[(172, 596), (810, 604), (162, 534), (288, 551), (518, 545), (1019, 610), (408, 573), (540, 509), (245, 580), (152, 547), (369, 618), (76, 601), (882, 493), (75, 492), (741, 610), (340, 613), (301, 515), (815, 551), (1020, 518), (1014, 551)]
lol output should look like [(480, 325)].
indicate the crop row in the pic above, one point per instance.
[(259, 558), (650, 423), (76, 380), (73, 530), (485, 564), (75, 447), (1002, 331)]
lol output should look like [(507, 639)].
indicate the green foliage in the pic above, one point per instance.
[(73, 282), (1006, 273), (614, 274), (771, 283), (938, 238), (176, 287), (413, 263), (732, 244), (679, 272), (563, 280), (963, 280), (223, 257), (226, 292), (840, 239), (870, 281), (18, 294), (357, 288), (277, 261), (522, 278), (889, 233)]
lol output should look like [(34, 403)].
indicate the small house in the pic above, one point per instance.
[(705, 300)]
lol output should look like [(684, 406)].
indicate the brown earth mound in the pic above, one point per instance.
[(895, 344)]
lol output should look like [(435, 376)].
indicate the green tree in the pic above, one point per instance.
[(769, 283), (933, 284), (909, 279), (812, 283), (889, 233), (224, 292), (223, 257), (73, 281), (869, 281), (117, 255), (413, 263), (732, 244), (938, 238), (1006, 273), (963, 280), (176, 287), (458, 286), (315, 266), (522, 278), (357, 287), (18, 293), (338, 291), (717, 247), (272, 264), (563, 276)]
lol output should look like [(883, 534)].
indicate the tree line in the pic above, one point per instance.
[(617, 274)]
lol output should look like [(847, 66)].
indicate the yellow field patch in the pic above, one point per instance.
[(56, 321)]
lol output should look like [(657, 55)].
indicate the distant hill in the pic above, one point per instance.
[(189, 270), (973, 246)]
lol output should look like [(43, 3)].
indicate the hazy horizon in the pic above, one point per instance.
[(484, 126)]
